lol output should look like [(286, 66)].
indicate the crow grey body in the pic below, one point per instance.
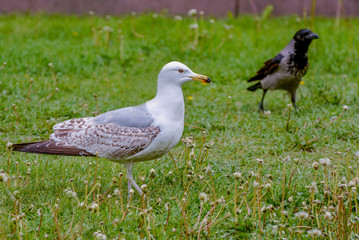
[(286, 69)]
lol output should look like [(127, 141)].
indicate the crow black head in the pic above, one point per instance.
[(305, 35)]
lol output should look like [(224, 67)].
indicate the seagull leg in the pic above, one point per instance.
[(261, 108), (129, 167)]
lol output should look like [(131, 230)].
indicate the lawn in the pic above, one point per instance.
[(237, 173)]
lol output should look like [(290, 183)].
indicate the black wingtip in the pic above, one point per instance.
[(50, 147), (255, 87)]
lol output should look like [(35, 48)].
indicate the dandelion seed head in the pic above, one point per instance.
[(228, 27), (107, 29), (302, 215), (237, 175), (144, 187), (193, 26), (324, 161), (327, 215), (314, 232), (3, 177), (260, 161), (211, 20), (315, 165), (203, 197), (177, 18), (192, 12)]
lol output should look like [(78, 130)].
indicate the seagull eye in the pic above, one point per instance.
[(180, 70)]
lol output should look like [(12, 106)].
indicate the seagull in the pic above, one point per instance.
[(286, 69), (127, 135)]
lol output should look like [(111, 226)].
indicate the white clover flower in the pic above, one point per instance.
[(324, 161), (51, 64), (203, 197), (9, 145), (345, 107), (201, 13), (133, 13), (155, 15), (290, 199), (211, 20), (177, 18), (315, 232), (290, 106), (91, 13), (255, 184), (237, 175), (192, 12), (132, 191), (193, 26), (302, 215)]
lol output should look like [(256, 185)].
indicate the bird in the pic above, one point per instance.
[(127, 135), (286, 69)]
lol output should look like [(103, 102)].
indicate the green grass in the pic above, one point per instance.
[(122, 71)]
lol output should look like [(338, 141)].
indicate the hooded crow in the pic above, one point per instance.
[(285, 71)]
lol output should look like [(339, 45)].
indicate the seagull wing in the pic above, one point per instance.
[(114, 135)]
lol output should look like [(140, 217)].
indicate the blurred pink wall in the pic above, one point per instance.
[(217, 8)]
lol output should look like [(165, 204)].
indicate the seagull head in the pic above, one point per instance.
[(305, 35), (177, 73)]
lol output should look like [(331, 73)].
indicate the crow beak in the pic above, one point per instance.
[(312, 36), (201, 78)]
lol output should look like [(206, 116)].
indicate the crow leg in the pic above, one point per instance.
[(261, 107), (292, 97), (129, 167)]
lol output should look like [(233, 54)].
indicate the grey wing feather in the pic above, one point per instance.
[(127, 117)]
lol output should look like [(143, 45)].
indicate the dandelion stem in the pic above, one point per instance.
[(282, 206)]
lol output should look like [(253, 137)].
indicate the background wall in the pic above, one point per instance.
[(217, 8)]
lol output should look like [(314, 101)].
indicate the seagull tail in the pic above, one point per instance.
[(255, 87), (50, 147)]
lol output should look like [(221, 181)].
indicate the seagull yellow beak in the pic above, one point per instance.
[(201, 78)]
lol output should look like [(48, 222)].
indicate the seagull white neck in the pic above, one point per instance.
[(168, 103)]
